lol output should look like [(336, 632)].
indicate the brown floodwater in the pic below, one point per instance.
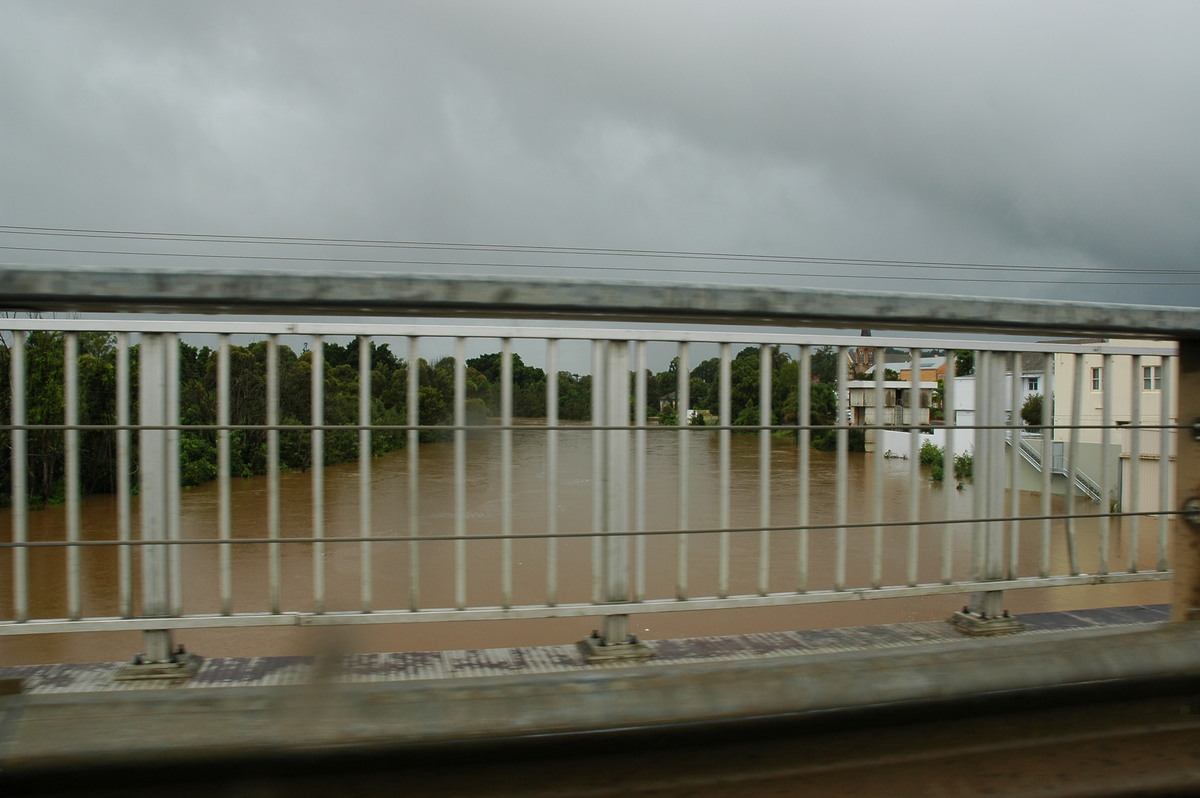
[(391, 565)]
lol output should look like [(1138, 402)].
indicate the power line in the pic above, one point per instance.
[(555, 250), (569, 267), (1092, 275), (591, 267)]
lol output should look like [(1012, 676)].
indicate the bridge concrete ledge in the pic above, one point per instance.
[(40, 731)]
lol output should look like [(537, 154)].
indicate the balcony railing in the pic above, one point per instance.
[(485, 510)]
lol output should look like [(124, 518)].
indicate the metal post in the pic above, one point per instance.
[(985, 615), (71, 436), (551, 472), (613, 640), (20, 484), (683, 404), (158, 455), (616, 489), (153, 454), (366, 568), (1185, 556), (224, 490)]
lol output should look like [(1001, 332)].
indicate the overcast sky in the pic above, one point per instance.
[(1059, 135)]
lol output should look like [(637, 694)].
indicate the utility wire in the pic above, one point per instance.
[(556, 250), (593, 267), (1092, 275)]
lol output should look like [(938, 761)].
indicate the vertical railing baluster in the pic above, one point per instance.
[(1135, 458), (1072, 460), (683, 405), (1048, 376), (599, 350), (1108, 375), (552, 472), (412, 408), (979, 496), (765, 353), (1014, 464), (950, 421), (877, 402), (274, 566), (843, 461), (317, 388), (506, 475), (124, 486), (724, 410), (71, 436), (460, 472), (366, 566), (224, 518), (803, 445), (1166, 477), (639, 471), (174, 482), (20, 480), (914, 465), (994, 477)]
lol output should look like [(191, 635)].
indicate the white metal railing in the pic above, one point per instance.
[(632, 516)]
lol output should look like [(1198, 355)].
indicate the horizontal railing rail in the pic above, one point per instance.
[(373, 472)]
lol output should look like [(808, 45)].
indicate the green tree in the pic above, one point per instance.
[(44, 405), (823, 362), (575, 396), (1031, 411), (97, 405)]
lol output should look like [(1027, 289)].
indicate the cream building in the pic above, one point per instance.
[(1121, 392), (1128, 377)]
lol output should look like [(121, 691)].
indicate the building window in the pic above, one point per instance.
[(1033, 383), (1096, 378), (1151, 378)]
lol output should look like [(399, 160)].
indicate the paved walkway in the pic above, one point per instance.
[(422, 665)]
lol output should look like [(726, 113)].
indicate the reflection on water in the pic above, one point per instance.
[(391, 565)]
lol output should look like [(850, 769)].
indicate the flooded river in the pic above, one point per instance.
[(391, 566)]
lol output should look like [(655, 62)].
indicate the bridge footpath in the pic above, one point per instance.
[(1103, 697)]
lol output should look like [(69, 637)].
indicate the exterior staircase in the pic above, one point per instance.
[(1058, 465)]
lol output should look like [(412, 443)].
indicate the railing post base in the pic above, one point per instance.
[(160, 662), (596, 649), (615, 643), (977, 624)]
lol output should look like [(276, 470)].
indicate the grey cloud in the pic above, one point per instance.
[(1017, 132)]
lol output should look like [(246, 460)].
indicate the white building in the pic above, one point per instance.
[(899, 409), (1109, 464)]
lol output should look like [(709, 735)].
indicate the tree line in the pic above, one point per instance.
[(389, 374)]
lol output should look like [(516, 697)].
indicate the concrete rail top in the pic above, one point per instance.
[(106, 289)]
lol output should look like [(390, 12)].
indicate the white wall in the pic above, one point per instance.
[(899, 442)]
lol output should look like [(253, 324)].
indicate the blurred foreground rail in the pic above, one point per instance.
[(1084, 703)]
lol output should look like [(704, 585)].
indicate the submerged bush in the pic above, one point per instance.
[(964, 466), (931, 454)]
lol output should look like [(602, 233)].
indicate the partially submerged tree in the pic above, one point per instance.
[(1031, 411)]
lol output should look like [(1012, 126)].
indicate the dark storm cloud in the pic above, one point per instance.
[(1053, 134)]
